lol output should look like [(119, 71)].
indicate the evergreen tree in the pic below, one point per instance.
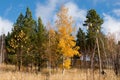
[(30, 29), (20, 20), (81, 40), (17, 44), (40, 42), (21, 40), (94, 22)]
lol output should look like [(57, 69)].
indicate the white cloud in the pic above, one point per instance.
[(117, 12), (75, 11), (47, 10), (111, 25), (5, 26), (79, 15)]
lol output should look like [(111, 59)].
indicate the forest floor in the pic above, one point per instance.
[(8, 72)]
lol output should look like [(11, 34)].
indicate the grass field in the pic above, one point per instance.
[(7, 72)]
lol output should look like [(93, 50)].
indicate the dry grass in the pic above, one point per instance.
[(75, 74), (7, 72)]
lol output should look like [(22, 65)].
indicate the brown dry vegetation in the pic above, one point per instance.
[(7, 72)]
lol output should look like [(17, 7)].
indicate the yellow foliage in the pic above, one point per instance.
[(67, 63), (66, 40), (16, 41)]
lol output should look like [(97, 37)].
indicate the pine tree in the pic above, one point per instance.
[(17, 40), (81, 40), (40, 42), (94, 22), (16, 43), (22, 39), (29, 27)]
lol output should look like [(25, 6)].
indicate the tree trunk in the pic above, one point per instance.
[(92, 61), (21, 62), (104, 52), (100, 64), (19, 59), (39, 67)]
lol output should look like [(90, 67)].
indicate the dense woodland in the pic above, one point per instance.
[(32, 44)]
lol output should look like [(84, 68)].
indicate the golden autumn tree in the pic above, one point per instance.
[(67, 42)]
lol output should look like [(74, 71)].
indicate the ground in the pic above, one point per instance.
[(8, 72)]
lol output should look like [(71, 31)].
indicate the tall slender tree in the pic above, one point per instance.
[(94, 22), (67, 42), (29, 28), (41, 37)]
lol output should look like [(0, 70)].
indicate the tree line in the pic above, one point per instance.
[(32, 44)]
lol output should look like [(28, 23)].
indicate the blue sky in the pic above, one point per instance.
[(109, 10)]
